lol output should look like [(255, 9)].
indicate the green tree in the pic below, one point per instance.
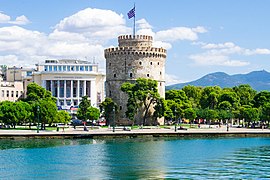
[(106, 107), (23, 111), (193, 94), (261, 98), (209, 97), (190, 114), (144, 94), (36, 92), (8, 113), (83, 106), (62, 117), (245, 94), (92, 113), (47, 112)]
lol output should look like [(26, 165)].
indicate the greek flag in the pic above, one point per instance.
[(131, 13)]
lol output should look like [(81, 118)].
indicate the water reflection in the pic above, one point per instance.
[(147, 158)]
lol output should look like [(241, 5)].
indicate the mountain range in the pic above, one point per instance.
[(258, 80)]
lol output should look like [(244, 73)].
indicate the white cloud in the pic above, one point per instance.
[(21, 20), (220, 54), (4, 18), (172, 79), (83, 34), (143, 24), (180, 33), (94, 23), (207, 59)]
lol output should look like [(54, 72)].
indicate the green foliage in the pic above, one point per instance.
[(62, 117), (36, 92), (92, 113), (106, 107), (83, 106), (190, 114), (142, 95)]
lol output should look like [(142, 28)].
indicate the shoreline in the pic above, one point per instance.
[(71, 133)]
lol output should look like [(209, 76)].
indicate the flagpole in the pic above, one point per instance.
[(134, 22)]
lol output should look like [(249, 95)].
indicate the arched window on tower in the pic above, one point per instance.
[(114, 75), (147, 75), (130, 75)]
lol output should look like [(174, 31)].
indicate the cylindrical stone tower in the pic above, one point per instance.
[(133, 58)]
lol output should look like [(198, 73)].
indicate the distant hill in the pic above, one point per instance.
[(258, 80)]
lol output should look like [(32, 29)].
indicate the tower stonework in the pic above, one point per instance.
[(133, 58)]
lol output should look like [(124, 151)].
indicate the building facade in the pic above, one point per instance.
[(133, 58), (70, 80), (11, 91)]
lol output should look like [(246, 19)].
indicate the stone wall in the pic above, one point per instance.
[(134, 58)]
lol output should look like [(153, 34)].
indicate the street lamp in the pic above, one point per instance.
[(38, 119), (113, 118)]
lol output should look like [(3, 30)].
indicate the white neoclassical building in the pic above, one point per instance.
[(70, 80)]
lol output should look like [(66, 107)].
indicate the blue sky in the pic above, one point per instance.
[(201, 36)]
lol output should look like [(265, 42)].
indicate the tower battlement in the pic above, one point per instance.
[(135, 41)]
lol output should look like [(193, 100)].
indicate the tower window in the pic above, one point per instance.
[(110, 64), (158, 63), (120, 107), (130, 74), (151, 63), (160, 84), (140, 63), (160, 72), (147, 75)]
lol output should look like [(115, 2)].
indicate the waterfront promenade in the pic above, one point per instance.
[(79, 132)]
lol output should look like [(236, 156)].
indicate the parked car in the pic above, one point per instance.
[(76, 122)]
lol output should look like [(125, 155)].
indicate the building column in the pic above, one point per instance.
[(78, 91), (71, 92), (58, 91), (65, 92), (84, 88), (93, 92)]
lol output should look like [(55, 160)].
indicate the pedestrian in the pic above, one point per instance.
[(227, 126)]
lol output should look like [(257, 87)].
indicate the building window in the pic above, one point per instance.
[(3, 93), (151, 63), (54, 68), (68, 68), (160, 73), (158, 63), (110, 93), (60, 68), (7, 93), (46, 68), (86, 68), (64, 68), (140, 63), (147, 75), (110, 64), (114, 75), (77, 68), (50, 68), (90, 68), (17, 93), (160, 84), (81, 68), (72, 68), (130, 74), (120, 107)]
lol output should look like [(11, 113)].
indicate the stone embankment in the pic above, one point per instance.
[(127, 133)]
